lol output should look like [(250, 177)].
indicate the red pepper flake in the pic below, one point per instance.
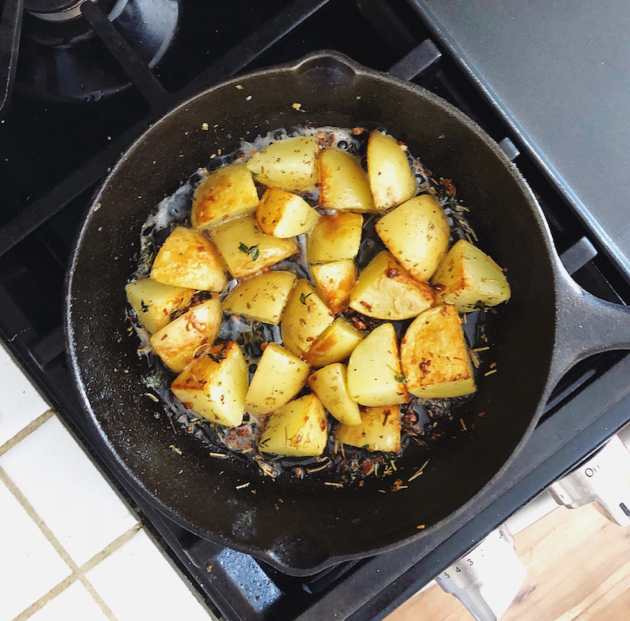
[(424, 367), (243, 432), (366, 305), (439, 287), (392, 272), (449, 186), (357, 131)]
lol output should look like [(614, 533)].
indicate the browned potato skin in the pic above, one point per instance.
[(379, 429), (335, 282), (226, 193), (189, 259), (283, 214), (335, 237)]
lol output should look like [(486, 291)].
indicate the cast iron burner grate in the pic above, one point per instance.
[(52, 156)]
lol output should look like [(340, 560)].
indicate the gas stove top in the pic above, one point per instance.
[(86, 86)]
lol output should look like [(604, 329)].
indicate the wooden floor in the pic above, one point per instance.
[(578, 568)]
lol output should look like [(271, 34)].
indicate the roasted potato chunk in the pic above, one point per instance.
[(374, 375), (227, 193), (385, 290), (334, 344), (435, 357), (335, 237), (299, 428), (155, 302), (305, 317), (330, 384), (379, 430), (417, 234), (289, 164), (391, 179), (278, 378), (334, 282), (342, 183), (246, 249), (262, 297), (467, 277), (283, 214), (178, 342), (214, 386), (189, 259)]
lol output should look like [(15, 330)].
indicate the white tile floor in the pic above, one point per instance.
[(70, 549)]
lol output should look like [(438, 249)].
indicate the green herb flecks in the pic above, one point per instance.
[(253, 251), (303, 298), (144, 307)]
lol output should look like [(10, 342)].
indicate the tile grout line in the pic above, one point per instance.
[(77, 572), (26, 431)]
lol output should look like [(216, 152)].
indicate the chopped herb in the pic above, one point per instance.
[(220, 356), (144, 307), (303, 298), (490, 372), (401, 379), (175, 449), (254, 251), (242, 486), (333, 484)]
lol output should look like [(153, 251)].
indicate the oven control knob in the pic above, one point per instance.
[(488, 578)]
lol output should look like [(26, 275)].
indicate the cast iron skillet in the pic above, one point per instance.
[(301, 526)]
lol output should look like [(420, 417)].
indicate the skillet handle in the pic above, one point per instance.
[(586, 325)]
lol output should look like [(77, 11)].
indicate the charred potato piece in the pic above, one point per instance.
[(283, 214), (289, 164), (435, 357), (379, 430), (467, 277), (178, 342), (155, 302), (299, 429), (335, 237), (262, 297), (391, 179), (278, 378), (330, 384), (334, 344), (247, 250), (189, 259), (214, 386), (335, 281), (417, 234), (225, 194), (385, 290)]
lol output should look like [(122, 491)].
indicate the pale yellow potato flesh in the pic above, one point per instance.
[(305, 317), (283, 214), (189, 259), (434, 354), (155, 302), (467, 276), (335, 281), (342, 183), (227, 193), (299, 428), (335, 237), (386, 290), (374, 375), (379, 430), (215, 388), (334, 344), (330, 384), (191, 333), (261, 297), (247, 250), (289, 164), (391, 179), (417, 233), (278, 378)]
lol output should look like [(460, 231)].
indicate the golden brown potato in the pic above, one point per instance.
[(227, 193), (215, 385), (391, 179), (417, 234), (330, 384), (305, 317), (334, 282), (335, 237), (178, 342), (299, 428), (278, 378), (435, 357), (334, 344), (289, 164), (342, 183), (283, 214), (379, 430), (155, 302), (468, 277), (246, 249), (385, 290), (374, 375), (189, 259), (262, 297)]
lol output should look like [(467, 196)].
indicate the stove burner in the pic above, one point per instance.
[(62, 59)]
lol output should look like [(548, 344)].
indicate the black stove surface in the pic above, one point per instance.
[(53, 153)]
